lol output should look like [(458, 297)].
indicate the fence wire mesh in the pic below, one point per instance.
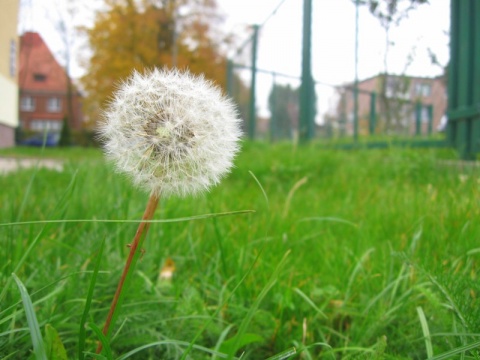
[(270, 97)]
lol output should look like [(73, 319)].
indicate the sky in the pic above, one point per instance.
[(333, 42), (280, 40)]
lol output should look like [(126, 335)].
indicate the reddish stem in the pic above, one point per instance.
[(139, 235)]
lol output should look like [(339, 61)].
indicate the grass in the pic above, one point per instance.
[(364, 254)]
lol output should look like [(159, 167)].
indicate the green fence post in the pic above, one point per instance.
[(355, 111), (463, 128), (343, 114), (418, 116), (252, 110), (273, 122), (373, 112), (307, 95), (430, 119), (355, 86)]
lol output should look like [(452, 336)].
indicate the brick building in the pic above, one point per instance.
[(8, 72), (402, 93), (43, 88)]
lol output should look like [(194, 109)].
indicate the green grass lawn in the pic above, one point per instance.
[(365, 254)]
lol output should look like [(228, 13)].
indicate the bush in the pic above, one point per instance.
[(85, 138), (65, 136)]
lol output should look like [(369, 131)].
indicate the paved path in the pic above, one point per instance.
[(9, 164)]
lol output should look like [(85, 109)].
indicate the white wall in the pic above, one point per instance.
[(8, 102)]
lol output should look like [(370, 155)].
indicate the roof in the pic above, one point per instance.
[(39, 70), (350, 84)]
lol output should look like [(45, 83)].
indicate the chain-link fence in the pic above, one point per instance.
[(273, 103)]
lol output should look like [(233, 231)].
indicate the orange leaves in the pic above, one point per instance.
[(140, 35)]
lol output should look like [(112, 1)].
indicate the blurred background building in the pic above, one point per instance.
[(393, 103), (43, 86), (8, 72)]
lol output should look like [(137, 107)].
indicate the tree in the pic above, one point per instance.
[(390, 11), (141, 34), (284, 106), (65, 135)]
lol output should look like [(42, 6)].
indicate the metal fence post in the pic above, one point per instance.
[(418, 115), (463, 128), (355, 87), (307, 95), (252, 110), (430, 119), (343, 115), (273, 122), (373, 112)]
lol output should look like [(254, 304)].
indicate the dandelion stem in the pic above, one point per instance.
[(131, 261)]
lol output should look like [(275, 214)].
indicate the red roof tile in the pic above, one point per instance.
[(39, 70)]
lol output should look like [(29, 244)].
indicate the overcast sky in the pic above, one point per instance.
[(333, 39)]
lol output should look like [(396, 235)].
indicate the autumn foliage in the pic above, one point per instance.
[(139, 34)]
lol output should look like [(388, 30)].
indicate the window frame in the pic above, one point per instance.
[(46, 125), (54, 104), (39, 77), (27, 103)]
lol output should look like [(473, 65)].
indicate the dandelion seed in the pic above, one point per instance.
[(172, 132)]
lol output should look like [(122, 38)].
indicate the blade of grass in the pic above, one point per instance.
[(218, 238), (107, 351), (37, 340), (303, 350), (222, 337), (14, 305), (310, 302), (261, 188), (425, 331), (458, 350), (382, 294), (284, 354), (88, 302), (219, 308), (10, 356), (292, 191), (20, 263), (356, 270), (253, 308), (63, 198), (170, 342), (55, 348), (181, 219), (450, 300), (329, 218), (51, 294), (27, 191)]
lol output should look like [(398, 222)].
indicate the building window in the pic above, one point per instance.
[(39, 77), (27, 103), (423, 90), (424, 115), (397, 88), (54, 104), (48, 125), (13, 58)]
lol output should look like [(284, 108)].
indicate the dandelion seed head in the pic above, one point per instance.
[(172, 132)]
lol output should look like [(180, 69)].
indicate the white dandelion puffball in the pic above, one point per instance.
[(172, 132)]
